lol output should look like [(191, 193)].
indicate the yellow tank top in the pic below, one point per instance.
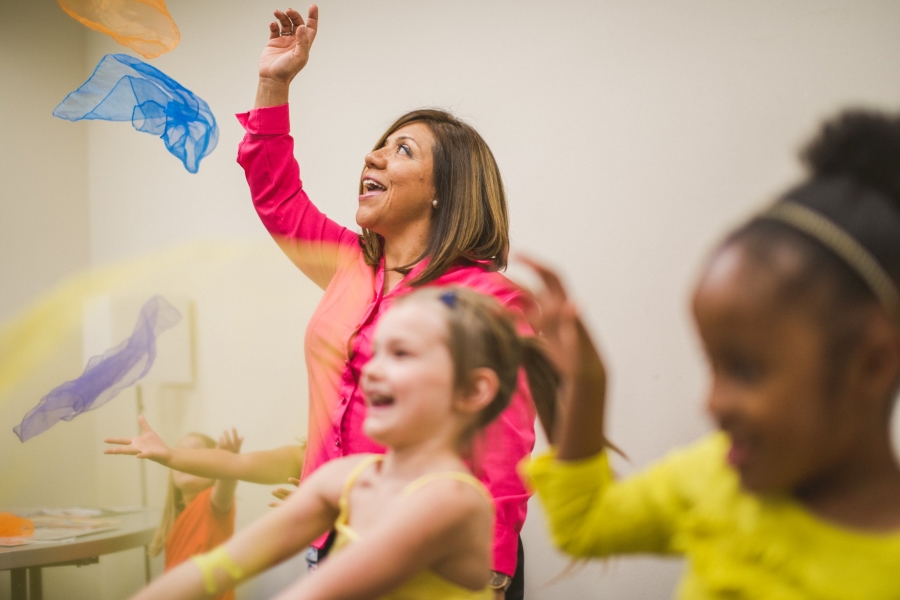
[(425, 584)]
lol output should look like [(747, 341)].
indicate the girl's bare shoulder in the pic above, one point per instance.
[(331, 477)]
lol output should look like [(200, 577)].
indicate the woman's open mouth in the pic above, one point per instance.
[(371, 188)]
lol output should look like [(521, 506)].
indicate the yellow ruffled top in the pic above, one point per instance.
[(424, 584), (739, 546)]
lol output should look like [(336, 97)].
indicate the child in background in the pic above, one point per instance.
[(412, 523), (265, 466), (199, 512), (798, 495)]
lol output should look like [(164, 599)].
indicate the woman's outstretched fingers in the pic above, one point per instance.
[(286, 25), (295, 17), (312, 18)]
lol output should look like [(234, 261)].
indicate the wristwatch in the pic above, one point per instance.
[(500, 581)]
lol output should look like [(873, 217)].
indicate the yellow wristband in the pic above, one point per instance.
[(217, 559)]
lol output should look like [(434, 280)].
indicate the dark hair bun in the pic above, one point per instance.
[(861, 145)]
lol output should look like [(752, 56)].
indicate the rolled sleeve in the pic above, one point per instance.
[(272, 120)]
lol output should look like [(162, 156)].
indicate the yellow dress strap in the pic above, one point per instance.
[(466, 478), (344, 501)]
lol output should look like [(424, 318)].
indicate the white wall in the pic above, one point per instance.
[(43, 239), (630, 136)]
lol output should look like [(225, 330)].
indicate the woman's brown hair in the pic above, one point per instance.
[(470, 222)]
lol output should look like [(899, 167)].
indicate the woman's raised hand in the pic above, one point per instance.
[(147, 445), (289, 42)]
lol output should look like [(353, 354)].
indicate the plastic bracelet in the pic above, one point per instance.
[(217, 559)]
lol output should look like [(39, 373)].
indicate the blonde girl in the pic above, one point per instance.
[(798, 495), (412, 523), (199, 512)]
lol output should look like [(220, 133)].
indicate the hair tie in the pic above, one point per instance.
[(448, 298), (836, 239)]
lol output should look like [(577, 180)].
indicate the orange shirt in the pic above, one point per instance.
[(198, 529)]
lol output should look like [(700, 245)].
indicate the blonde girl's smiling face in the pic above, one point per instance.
[(408, 383), (773, 390), (397, 183)]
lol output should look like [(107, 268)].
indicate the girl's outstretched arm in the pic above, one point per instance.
[(267, 466), (589, 512), (441, 522), (578, 427), (307, 514), (222, 497)]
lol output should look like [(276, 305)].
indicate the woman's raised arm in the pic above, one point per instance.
[(307, 236)]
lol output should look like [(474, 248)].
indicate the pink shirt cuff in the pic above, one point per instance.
[(506, 550), (272, 120)]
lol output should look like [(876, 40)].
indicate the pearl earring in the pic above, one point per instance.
[(434, 203)]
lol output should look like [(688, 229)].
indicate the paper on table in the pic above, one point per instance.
[(59, 534), (50, 528), (14, 541), (75, 511)]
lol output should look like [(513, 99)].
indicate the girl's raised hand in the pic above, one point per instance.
[(147, 445), (230, 441), (290, 40), (578, 432), (557, 321)]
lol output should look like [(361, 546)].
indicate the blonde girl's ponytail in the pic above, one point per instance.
[(173, 507), (543, 381)]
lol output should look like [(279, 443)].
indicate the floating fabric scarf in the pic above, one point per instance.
[(145, 26), (105, 375), (34, 336), (123, 88)]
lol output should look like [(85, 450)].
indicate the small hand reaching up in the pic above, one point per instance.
[(578, 430), (147, 445), (558, 321), (231, 441)]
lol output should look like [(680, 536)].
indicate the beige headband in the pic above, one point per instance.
[(844, 245)]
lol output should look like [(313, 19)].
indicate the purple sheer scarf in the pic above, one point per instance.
[(105, 375)]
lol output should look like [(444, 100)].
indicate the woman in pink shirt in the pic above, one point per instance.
[(433, 212)]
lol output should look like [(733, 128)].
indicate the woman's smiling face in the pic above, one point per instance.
[(397, 184)]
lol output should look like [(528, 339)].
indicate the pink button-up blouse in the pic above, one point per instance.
[(339, 335)]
